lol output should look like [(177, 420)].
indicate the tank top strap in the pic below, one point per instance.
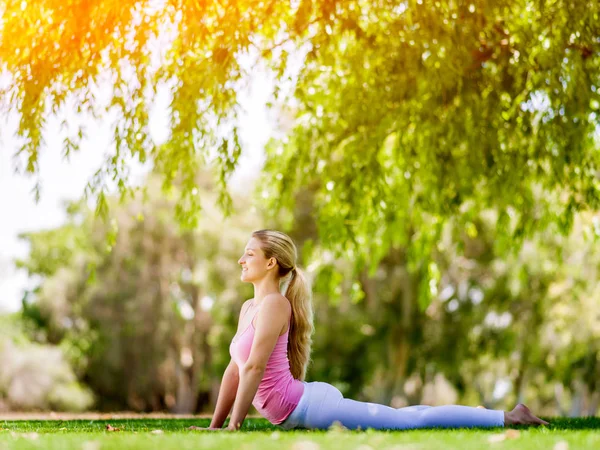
[(251, 323), (253, 316), (246, 312)]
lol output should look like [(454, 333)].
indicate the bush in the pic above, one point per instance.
[(38, 377)]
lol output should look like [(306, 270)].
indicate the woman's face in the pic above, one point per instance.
[(253, 262)]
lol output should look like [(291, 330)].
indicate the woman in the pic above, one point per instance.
[(271, 350)]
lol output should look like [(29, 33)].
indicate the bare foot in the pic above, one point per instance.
[(521, 415)]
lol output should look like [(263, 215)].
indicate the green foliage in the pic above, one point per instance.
[(429, 145), (401, 109), (512, 313), (126, 331), (36, 376)]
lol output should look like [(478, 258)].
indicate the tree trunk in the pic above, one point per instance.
[(578, 399), (398, 343), (594, 404)]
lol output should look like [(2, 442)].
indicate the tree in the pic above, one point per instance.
[(136, 318), (524, 318), (405, 115), (402, 109)]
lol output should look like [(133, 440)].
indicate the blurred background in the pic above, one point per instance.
[(436, 165)]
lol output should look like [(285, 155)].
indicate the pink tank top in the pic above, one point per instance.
[(279, 392)]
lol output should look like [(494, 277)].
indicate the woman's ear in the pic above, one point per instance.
[(272, 263)]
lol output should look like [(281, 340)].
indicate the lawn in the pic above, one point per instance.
[(561, 434)]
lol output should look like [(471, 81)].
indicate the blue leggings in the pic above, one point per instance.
[(321, 404)]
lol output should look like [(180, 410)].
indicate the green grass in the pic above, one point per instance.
[(258, 434)]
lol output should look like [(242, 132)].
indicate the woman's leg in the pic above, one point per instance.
[(325, 405), (413, 408)]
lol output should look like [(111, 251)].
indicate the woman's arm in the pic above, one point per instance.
[(229, 385), (227, 393)]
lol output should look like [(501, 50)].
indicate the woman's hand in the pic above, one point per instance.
[(212, 428)]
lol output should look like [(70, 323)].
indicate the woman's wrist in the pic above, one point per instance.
[(216, 424)]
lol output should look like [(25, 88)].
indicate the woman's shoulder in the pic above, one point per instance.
[(277, 301)]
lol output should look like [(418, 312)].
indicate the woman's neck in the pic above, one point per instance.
[(263, 288)]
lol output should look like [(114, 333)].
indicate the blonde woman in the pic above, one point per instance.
[(271, 350)]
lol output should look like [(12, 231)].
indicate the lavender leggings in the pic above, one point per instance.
[(321, 404)]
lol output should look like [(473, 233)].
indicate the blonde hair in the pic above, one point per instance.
[(280, 246)]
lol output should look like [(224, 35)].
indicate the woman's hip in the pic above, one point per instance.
[(315, 394)]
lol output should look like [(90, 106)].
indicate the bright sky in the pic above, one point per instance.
[(63, 180)]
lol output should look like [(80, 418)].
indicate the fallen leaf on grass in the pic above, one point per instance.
[(407, 446), (275, 435), (157, 432), (512, 434), (508, 434), (62, 429), (305, 445), (561, 445), (496, 438), (337, 426), (109, 427), (91, 445), (31, 436)]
